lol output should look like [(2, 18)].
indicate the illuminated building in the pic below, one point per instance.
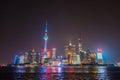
[(92, 58), (76, 54), (69, 48), (69, 52), (88, 52), (74, 59), (16, 59), (85, 60), (54, 53), (69, 56), (80, 50), (33, 57), (86, 57), (99, 56), (26, 57), (78, 61), (39, 58), (21, 61), (80, 45)]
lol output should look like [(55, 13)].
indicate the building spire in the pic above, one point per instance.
[(46, 26), (80, 44)]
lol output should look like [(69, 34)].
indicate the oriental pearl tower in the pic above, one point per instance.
[(45, 43)]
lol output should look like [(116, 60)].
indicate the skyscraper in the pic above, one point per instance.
[(26, 57), (21, 57), (99, 56), (80, 50), (33, 56), (80, 45), (16, 59), (54, 53)]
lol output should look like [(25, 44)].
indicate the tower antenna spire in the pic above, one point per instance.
[(45, 39), (46, 26)]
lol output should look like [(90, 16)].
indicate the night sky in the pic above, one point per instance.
[(22, 25)]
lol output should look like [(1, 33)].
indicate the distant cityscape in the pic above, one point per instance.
[(73, 55)]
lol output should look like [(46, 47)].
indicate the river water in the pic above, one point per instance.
[(60, 73)]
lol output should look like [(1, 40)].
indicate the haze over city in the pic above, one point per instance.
[(22, 26)]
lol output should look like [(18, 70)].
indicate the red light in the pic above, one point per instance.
[(99, 49)]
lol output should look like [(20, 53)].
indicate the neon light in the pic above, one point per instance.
[(99, 55), (45, 55), (16, 59), (45, 37), (99, 49), (59, 64)]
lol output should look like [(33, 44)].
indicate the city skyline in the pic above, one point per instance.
[(22, 26)]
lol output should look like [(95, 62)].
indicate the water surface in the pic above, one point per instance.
[(60, 73)]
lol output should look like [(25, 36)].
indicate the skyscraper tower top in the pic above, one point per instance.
[(80, 44)]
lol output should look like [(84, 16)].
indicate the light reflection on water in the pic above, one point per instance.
[(65, 73)]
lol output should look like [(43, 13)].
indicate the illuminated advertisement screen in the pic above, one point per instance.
[(99, 55)]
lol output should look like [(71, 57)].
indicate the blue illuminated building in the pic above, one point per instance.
[(16, 59), (99, 56)]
